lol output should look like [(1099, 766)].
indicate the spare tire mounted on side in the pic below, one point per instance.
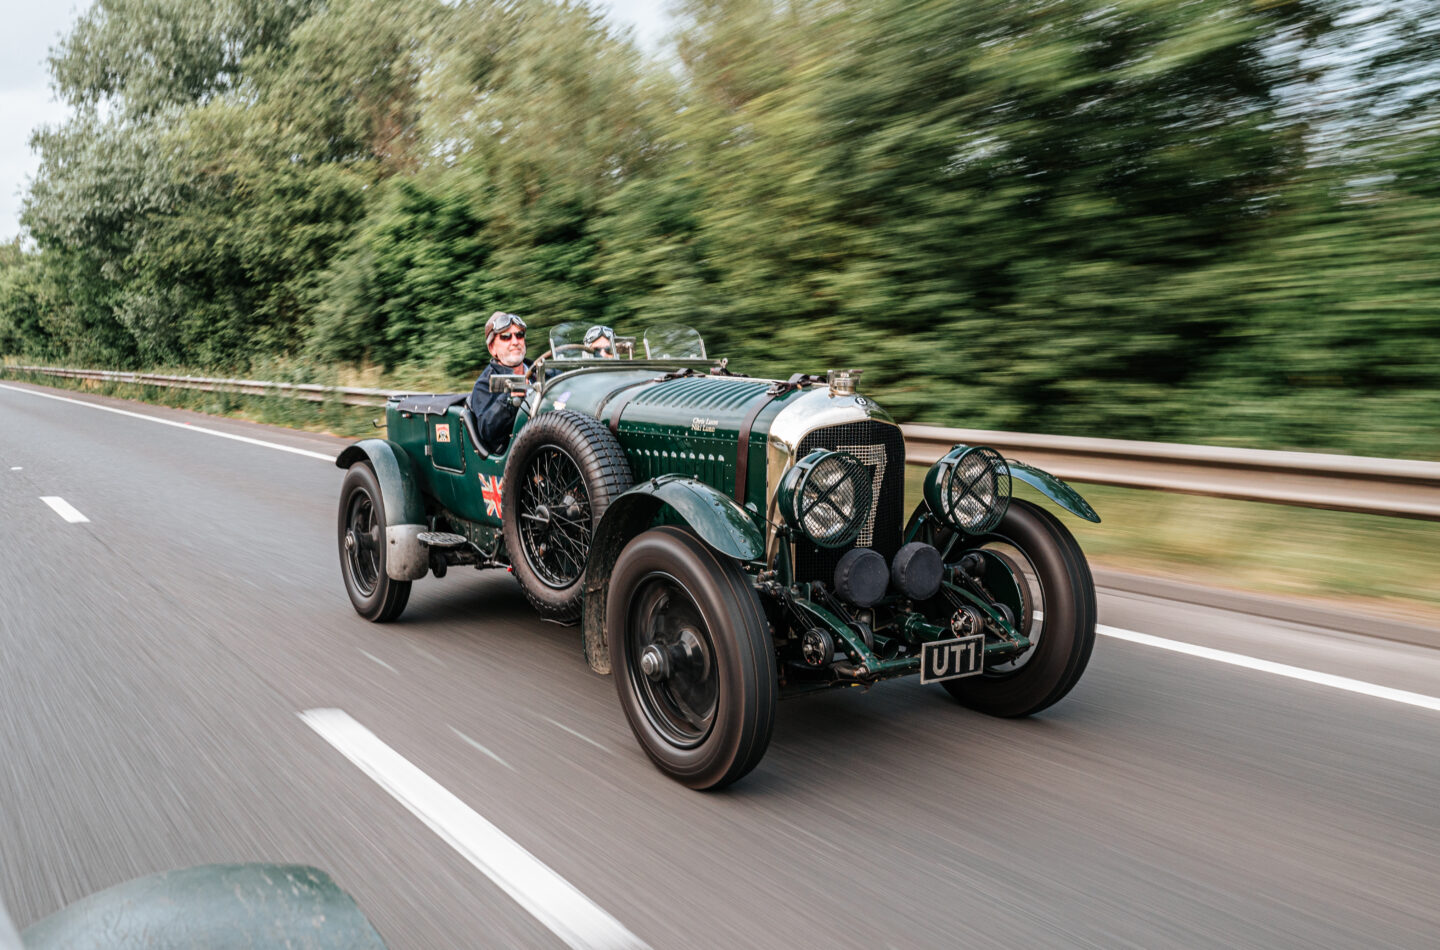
[(564, 471)]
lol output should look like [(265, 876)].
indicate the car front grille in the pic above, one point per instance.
[(881, 447)]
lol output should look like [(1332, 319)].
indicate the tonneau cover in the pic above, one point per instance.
[(429, 404)]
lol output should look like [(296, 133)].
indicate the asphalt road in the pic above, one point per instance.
[(155, 660)]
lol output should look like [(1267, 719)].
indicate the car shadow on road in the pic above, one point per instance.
[(842, 739), (484, 611), (849, 740)]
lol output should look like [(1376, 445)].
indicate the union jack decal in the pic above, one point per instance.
[(490, 491)]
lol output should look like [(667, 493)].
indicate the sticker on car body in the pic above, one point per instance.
[(490, 486), (442, 433)]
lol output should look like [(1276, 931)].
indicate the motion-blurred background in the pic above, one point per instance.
[(1207, 222)]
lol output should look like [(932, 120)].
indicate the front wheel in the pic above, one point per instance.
[(1057, 612), (376, 596), (693, 661)]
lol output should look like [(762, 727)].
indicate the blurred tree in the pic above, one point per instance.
[(1020, 199), (131, 69), (533, 113), (23, 328), (140, 56), (275, 177)]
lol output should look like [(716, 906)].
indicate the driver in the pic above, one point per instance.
[(600, 341), (494, 412)]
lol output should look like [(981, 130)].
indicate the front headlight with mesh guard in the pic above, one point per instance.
[(827, 496), (969, 488)]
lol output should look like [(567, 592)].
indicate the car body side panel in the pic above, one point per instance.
[(452, 472), (472, 489)]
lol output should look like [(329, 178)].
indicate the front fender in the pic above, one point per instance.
[(714, 517), (406, 559), (1054, 489)]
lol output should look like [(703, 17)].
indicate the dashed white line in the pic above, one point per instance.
[(179, 425), (561, 725), (477, 746), (1276, 669), (15, 468), (381, 662), (63, 508), (547, 896)]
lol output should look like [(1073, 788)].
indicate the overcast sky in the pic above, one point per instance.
[(31, 27)]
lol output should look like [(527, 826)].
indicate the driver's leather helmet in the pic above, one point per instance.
[(498, 321)]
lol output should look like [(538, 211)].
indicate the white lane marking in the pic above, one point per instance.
[(63, 508), (179, 425), (381, 662), (1277, 669), (14, 468), (426, 654), (551, 899), (475, 745), (561, 725)]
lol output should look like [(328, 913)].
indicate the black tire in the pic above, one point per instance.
[(1059, 613), (707, 720), (376, 596), (564, 471)]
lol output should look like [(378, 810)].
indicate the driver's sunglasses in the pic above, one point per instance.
[(507, 337)]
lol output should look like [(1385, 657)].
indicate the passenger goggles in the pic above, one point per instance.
[(595, 333)]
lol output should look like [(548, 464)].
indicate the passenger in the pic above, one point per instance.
[(495, 412), (600, 341)]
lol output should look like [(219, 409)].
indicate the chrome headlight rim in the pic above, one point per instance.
[(969, 488), (826, 497)]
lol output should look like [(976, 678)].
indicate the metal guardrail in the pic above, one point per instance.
[(1392, 487), (349, 395)]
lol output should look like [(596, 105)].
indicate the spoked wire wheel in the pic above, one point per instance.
[(555, 517), (563, 472), (670, 660)]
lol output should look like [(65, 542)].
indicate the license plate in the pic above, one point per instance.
[(952, 659)]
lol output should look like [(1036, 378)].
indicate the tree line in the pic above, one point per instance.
[(1209, 221)]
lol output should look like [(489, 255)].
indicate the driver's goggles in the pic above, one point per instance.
[(500, 320)]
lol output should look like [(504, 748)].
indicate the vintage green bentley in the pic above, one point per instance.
[(724, 541)]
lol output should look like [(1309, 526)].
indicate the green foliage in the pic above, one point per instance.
[(141, 56), (499, 219), (1209, 221), (415, 266)]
